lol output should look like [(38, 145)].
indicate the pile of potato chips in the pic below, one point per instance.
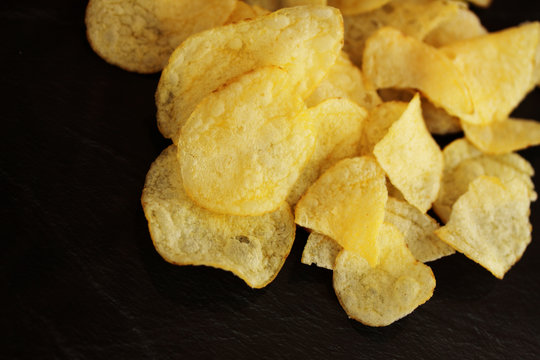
[(322, 116)]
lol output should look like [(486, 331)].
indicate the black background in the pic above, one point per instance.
[(80, 278)]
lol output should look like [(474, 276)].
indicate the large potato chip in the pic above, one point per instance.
[(464, 163), (503, 136), (347, 203), (464, 24), (253, 248), (340, 124), (345, 80), (379, 121), (381, 295), (320, 250), (140, 35), (418, 229), (303, 40), (414, 18), (490, 223), (353, 7), (245, 144), (411, 158), (392, 60), (498, 70)]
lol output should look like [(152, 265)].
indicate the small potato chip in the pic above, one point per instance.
[(321, 251), (392, 60), (253, 248), (411, 158), (381, 295), (490, 223), (464, 163), (345, 80), (339, 135), (498, 70), (481, 3), (245, 144), (305, 41), (464, 24), (242, 11), (415, 18), (347, 203), (418, 230), (379, 121), (140, 35), (353, 7), (505, 136)]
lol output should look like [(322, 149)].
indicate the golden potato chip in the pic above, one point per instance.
[(140, 35), (244, 146), (290, 3), (271, 5), (347, 203), (345, 80), (392, 60), (320, 250), (378, 296), (379, 121), (353, 7), (253, 248), (339, 135), (464, 163), (305, 41), (504, 136), (464, 24), (418, 230), (411, 158), (242, 11), (415, 18), (498, 70), (481, 3), (490, 223)]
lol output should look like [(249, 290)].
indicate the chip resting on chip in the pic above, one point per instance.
[(379, 121), (320, 250), (464, 24), (253, 248)]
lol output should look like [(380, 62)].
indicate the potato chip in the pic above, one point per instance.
[(253, 248), (502, 137), (345, 80), (242, 11), (498, 70), (392, 60), (245, 144), (339, 135), (464, 24), (464, 163), (415, 18), (271, 5), (305, 41), (481, 3), (381, 295), (411, 158), (353, 7), (418, 230), (490, 223), (139, 35), (379, 121), (290, 3), (320, 250), (347, 203)]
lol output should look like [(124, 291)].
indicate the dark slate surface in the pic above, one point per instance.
[(79, 278)]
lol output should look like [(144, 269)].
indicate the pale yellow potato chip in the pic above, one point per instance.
[(340, 123), (320, 250), (378, 122), (392, 60), (464, 163), (140, 35), (253, 248), (411, 158), (378, 296), (345, 80), (505, 136), (464, 24), (303, 40), (244, 146), (418, 229), (498, 70), (490, 223), (353, 7), (415, 18), (347, 203)]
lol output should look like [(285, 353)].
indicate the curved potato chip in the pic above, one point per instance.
[(381, 295), (253, 248), (305, 41), (464, 24), (347, 203), (244, 146), (496, 87), (490, 223), (320, 250), (505, 136), (411, 158), (140, 35), (353, 7), (379, 121), (392, 60), (338, 137)]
